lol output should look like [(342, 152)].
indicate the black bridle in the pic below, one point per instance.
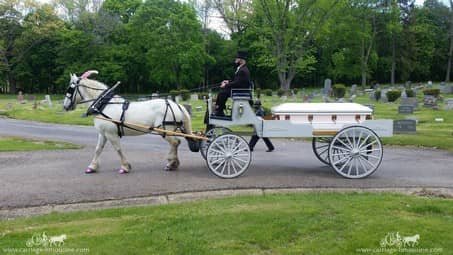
[(74, 89)]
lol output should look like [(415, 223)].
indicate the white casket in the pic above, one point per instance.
[(323, 116)]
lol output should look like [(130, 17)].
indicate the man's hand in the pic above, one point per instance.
[(224, 83)]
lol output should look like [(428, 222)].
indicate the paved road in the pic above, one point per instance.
[(56, 177)]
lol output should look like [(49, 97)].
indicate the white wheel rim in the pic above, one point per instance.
[(228, 156), (355, 152), (212, 134), (321, 148)]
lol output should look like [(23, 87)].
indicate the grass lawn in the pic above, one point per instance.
[(429, 133), (309, 223), (20, 144)]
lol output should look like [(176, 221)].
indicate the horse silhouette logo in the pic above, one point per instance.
[(396, 240), (42, 240)]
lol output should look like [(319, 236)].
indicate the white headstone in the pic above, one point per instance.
[(178, 99), (327, 86), (353, 89), (194, 97), (404, 94), (48, 100)]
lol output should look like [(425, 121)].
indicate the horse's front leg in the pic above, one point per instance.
[(115, 141), (173, 161), (94, 165)]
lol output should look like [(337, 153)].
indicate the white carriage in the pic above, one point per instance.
[(344, 135)]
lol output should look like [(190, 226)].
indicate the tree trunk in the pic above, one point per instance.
[(363, 63), (450, 52), (392, 73)]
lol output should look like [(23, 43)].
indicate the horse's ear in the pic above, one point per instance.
[(88, 73)]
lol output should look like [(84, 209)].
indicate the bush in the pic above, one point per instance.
[(431, 92), (173, 93), (281, 92), (185, 94), (339, 90), (203, 94), (377, 95), (258, 92), (295, 91), (267, 92), (410, 93), (393, 95)]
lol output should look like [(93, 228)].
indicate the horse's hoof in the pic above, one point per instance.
[(169, 168), (123, 171), (90, 170)]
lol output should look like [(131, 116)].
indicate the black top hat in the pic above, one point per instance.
[(242, 54)]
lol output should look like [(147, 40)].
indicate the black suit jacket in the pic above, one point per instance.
[(241, 79)]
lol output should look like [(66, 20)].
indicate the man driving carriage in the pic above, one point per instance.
[(241, 81)]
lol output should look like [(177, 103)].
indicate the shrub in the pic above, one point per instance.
[(203, 94), (173, 93), (267, 92), (377, 95), (185, 94), (431, 92), (295, 91), (410, 93), (281, 92), (339, 90), (393, 95), (258, 92)]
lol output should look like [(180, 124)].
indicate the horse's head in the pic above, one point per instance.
[(74, 92)]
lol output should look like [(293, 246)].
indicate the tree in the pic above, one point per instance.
[(287, 29)]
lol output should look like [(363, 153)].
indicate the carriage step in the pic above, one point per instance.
[(215, 117)]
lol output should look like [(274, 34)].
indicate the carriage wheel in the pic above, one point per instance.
[(355, 152), (228, 156), (320, 147), (212, 134)]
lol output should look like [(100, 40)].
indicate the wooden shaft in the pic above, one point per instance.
[(160, 130)]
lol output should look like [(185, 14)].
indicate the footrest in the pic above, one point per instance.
[(215, 117)]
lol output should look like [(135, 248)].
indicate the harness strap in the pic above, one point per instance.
[(120, 126)]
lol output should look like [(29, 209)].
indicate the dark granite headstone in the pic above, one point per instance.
[(412, 101), (405, 109), (429, 101), (404, 126)]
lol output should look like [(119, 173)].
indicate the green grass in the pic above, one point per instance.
[(429, 133), (310, 223), (20, 144)]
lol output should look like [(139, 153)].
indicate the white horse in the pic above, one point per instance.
[(150, 113)]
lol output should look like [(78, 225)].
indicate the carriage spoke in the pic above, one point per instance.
[(350, 167), (363, 166), (341, 169), (369, 144), (340, 154), (341, 148), (370, 150), (364, 141), (368, 162), (368, 155), (347, 146), (343, 159)]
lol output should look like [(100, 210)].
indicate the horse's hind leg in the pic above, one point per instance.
[(173, 161), (94, 165), (115, 141)]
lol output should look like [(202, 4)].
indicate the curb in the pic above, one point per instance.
[(183, 197)]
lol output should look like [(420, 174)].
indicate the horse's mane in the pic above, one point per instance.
[(94, 84)]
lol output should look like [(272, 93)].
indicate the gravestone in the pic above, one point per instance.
[(412, 101), (429, 101), (284, 98), (188, 108), (31, 97), (194, 97), (20, 98), (403, 94), (178, 99), (408, 84), (199, 108), (305, 99), (48, 100), (407, 126), (446, 89), (340, 100), (430, 84), (384, 98), (405, 109), (352, 98), (325, 99), (449, 104), (327, 87), (353, 89), (9, 106), (154, 95)]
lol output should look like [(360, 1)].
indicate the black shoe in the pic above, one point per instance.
[(270, 150)]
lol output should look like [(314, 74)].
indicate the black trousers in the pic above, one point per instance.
[(266, 140), (222, 97)]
